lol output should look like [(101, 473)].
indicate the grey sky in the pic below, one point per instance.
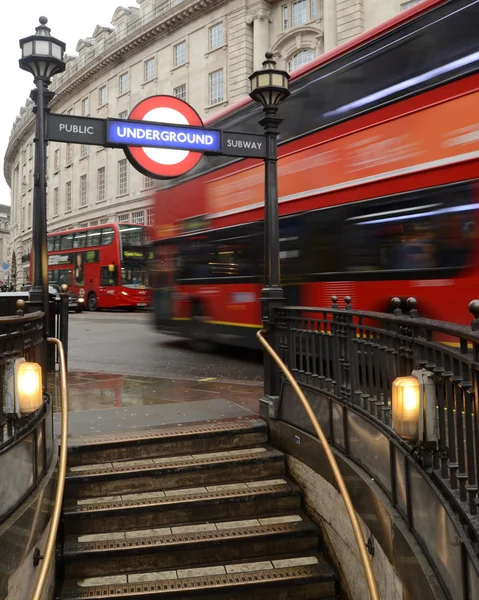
[(69, 21)]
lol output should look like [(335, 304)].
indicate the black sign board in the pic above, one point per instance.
[(243, 144), (76, 130)]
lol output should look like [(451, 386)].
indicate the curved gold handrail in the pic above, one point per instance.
[(371, 581), (62, 468)]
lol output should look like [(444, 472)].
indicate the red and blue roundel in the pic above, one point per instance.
[(163, 163)]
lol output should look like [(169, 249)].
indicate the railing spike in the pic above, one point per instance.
[(411, 304), (474, 310), (347, 301), (334, 300), (20, 308), (396, 306)]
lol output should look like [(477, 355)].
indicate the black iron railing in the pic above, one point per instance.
[(354, 356)]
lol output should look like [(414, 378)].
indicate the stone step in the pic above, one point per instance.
[(167, 441), (151, 510), (184, 546), (169, 472), (304, 577)]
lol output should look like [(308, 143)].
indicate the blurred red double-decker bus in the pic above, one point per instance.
[(105, 264), (378, 188)]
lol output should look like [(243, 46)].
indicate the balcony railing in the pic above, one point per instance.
[(347, 361)]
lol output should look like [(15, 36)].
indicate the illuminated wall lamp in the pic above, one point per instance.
[(28, 384), (414, 407)]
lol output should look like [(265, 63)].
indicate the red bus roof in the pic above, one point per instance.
[(112, 224), (357, 41)]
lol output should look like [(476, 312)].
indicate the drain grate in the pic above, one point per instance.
[(285, 489), (188, 538), (208, 582), (240, 426), (171, 464)]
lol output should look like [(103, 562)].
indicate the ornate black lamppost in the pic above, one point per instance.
[(42, 56), (269, 86)]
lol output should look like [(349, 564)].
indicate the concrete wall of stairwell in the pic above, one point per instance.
[(20, 534), (326, 507)]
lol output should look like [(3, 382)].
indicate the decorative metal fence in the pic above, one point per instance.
[(353, 357)]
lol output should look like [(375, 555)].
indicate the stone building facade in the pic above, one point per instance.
[(199, 50)]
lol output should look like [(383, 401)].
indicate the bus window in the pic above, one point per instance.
[(108, 277), (107, 235), (66, 241), (80, 239), (93, 238)]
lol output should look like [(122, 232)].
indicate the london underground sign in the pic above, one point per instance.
[(163, 162), (163, 137)]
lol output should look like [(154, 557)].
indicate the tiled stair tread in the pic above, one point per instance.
[(162, 499), (187, 534), (289, 569), (150, 464), (240, 426), (183, 491)]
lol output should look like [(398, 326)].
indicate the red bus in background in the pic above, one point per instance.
[(105, 264), (378, 186)]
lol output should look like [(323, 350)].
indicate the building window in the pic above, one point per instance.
[(30, 179), (150, 217), (95, 222), (138, 217), (124, 218), (148, 182), (68, 196), (69, 154), (215, 87), (102, 95), (285, 17), (123, 83), (299, 13), (83, 191), (29, 215), (180, 92), (122, 177), (103, 220), (149, 69), (84, 150), (56, 202), (83, 224), (85, 107), (30, 151), (179, 54), (300, 58), (56, 160), (216, 37), (123, 114), (314, 10), (406, 5), (101, 182)]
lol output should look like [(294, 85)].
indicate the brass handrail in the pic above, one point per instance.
[(62, 468), (371, 581)]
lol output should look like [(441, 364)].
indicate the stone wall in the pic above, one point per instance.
[(326, 508)]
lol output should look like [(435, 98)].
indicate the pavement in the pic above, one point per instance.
[(119, 342), (91, 392)]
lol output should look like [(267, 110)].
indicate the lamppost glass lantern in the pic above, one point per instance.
[(406, 403), (269, 85), (42, 54)]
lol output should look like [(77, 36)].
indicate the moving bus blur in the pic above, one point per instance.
[(105, 264), (379, 159)]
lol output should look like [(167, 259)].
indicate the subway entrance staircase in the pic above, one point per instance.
[(198, 511)]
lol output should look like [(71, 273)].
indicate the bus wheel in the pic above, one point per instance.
[(92, 301), (199, 333)]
